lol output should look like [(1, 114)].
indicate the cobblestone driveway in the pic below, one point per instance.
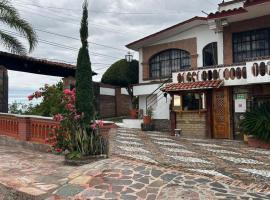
[(225, 159), (143, 166)]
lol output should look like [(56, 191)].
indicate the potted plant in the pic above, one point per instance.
[(257, 125), (134, 111), (148, 118)]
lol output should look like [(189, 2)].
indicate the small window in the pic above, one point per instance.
[(189, 102), (210, 54)]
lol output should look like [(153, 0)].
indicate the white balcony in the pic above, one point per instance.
[(252, 73)]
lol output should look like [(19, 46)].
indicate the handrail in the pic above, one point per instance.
[(151, 95)]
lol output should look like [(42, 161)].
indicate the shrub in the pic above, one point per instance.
[(257, 122)]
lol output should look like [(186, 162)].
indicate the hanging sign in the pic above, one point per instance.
[(240, 105)]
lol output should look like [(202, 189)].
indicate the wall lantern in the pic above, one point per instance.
[(129, 57)]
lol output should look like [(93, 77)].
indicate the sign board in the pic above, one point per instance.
[(240, 105)]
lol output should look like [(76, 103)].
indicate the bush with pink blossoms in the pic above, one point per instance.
[(74, 135)]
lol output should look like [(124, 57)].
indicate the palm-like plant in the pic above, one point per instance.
[(257, 122), (10, 17)]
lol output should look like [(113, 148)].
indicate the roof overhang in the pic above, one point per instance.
[(251, 9), (169, 32), (192, 86), (36, 66)]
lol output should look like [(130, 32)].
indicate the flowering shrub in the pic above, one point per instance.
[(51, 102), (74, 135)]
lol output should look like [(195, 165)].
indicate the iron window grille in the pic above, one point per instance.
[(251, 44), (210, 57), (163, 64)]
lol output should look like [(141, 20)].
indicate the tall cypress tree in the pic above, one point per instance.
[(84, 83)]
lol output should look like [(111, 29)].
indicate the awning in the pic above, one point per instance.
[(200, 85)]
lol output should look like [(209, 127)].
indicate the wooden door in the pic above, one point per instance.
[(221, 113)]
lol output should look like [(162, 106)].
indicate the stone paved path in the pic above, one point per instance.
[(220, 158), (143, 166)]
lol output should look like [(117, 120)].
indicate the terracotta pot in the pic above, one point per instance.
[(147, 120), (255, 143), (133, 113)]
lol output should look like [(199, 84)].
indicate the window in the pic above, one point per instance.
[(190, 101), (210, 54), (164, 63), (251, 44)]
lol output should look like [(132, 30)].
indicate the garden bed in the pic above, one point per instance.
[(84, 160), (255, 143)]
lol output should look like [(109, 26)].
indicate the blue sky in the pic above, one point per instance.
[(112, 23)]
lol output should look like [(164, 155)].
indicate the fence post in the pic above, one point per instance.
[(24, 129)]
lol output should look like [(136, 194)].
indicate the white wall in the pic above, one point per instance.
[(161, 110), (107, 91), (204, 36), (124, 91), (140, 90), (140, 66)]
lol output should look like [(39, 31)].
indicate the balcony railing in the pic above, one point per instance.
[(251, 73)]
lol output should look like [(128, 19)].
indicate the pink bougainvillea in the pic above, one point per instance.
[(70, 119)]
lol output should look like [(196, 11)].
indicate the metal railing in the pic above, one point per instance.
[(153, 98)]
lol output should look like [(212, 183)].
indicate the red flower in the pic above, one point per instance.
[(31, 97), (58, 117), (100, 123), (70, 107), (49, 150), (94, 126), (58, 150), (77, 117), (67, 92), (53, 144)]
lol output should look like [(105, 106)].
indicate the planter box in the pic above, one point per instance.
[(255, 143)]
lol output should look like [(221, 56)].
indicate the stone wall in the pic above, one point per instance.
[(107, 106), (163, 125), (123, 103), (193, 124)]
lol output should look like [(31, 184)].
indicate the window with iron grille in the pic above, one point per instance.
[(251, 44), (163, 64), (210, 54)]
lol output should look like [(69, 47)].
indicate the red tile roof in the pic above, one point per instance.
[(174, 87), (226, 13)]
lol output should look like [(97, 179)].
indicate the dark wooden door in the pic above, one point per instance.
[(221, 113)]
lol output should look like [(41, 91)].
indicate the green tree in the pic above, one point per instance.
[(122, 74), (84, 83), (10, 17)]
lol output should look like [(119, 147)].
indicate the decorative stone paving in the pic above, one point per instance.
[(264, 173), (148, 171), (214, 158), (223, 151), (241, 160)]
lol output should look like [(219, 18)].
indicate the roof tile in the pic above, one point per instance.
[(174, 87)]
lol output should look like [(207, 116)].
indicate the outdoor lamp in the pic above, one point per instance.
[(129, 57)]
